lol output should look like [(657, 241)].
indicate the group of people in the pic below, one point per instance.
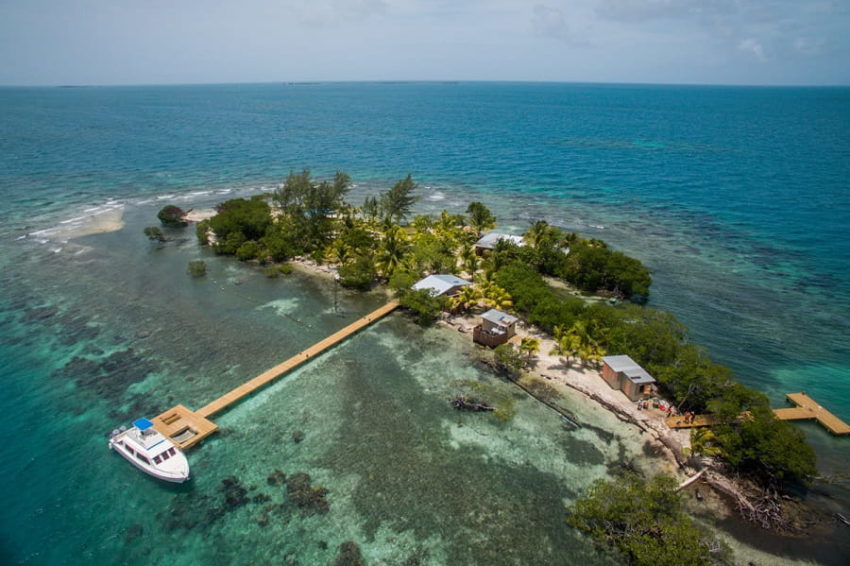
[(644, 404)]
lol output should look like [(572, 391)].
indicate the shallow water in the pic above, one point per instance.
[(723, 192)]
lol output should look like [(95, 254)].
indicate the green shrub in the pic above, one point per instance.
[(643, 519), (172, 216), (358, 274), (202, 232), (197, 268), (154, 234), (425, 307), (278, 269), (247, 250)]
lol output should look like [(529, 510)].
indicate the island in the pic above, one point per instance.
[(555, 308)]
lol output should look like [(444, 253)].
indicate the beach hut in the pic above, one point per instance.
[(623, 373), (496, 328), (489, 240), (446, 285)]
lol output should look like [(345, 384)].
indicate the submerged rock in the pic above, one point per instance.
[(310, 499), (276, 478), (297, 436), (234, 493), (349, 555)]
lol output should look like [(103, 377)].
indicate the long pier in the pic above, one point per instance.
[(806, 409), (186, 427)]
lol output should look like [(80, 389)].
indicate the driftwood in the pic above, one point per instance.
[(464, 403), (762, 507), (617, 411), (690, 480)]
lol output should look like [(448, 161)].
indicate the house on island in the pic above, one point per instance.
[(446, 285), (623, 373), (496, 328), (489, 240)]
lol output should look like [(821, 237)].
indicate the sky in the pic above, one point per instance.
[(116, 42)]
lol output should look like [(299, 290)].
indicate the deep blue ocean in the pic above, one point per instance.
[(737, 198)]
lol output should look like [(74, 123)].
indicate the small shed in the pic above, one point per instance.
[(623, 373), (496, 328), (437, 285), (489, 240)]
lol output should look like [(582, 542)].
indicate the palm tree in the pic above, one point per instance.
[(393, 251), (538, 234), (469, 259), (529, 346), (480, 217), (588, 349), (466, 300), (339, 252), (577, 342), (566, 345), (495, 297)]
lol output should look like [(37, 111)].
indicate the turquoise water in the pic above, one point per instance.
[(735, 197)]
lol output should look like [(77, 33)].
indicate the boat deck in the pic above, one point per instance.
[(186, 427)]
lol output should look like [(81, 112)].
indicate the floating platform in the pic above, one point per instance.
[(806, 409), (186, 427)]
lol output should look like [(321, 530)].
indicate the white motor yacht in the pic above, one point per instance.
[(150, 451)]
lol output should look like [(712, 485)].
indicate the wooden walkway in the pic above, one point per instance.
[(807, 408), (186, 427)]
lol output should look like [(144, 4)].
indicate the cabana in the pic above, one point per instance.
[(496, 328), (446, 285), (623, 373)]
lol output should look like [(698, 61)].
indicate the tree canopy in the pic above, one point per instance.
[(397, 202), (643, 520), (172, 216)]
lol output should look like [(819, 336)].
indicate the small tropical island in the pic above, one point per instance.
[(541, 295)]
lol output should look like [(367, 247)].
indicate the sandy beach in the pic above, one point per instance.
[(94, 221), (571, 377), (199, 214)]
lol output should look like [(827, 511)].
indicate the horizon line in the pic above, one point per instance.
[(420, 81)]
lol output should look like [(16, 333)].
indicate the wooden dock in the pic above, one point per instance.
[(186, 427), (806, 409)]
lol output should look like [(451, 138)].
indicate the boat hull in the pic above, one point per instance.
[(150, 470)]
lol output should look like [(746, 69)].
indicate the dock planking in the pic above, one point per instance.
[(186, 427), (806, 409)]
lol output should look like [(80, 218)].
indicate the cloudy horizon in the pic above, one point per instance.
[(118, 42)]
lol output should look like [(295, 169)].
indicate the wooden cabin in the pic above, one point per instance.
[(489, 240), (496, 328), (446, 285), (623, 373)]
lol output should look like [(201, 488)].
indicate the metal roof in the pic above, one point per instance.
[(628, 367), (499, 317), (490, 239), (439, 284)]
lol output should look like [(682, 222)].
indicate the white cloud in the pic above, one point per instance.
[(754, 47), (808, 46)]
